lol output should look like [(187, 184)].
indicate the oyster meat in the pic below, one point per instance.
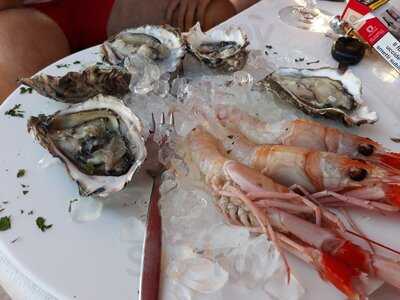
[(322, 92), (75, 87), (162, 44), (99, 141), (221, 49)]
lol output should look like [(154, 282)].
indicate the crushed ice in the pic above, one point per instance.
[(204, 257)]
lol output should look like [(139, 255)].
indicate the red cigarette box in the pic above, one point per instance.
[(378, 23)]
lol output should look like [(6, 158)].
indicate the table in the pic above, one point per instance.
[(17, 269)]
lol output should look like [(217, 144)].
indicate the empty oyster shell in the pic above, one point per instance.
[(162, 44), (221, 49), (99, 141), (322, 92), (75, 87)]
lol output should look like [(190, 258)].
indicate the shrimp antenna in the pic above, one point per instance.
[(372, 242)]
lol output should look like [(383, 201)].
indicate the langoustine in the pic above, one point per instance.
[(306, 133), (335, 179), (338, 260)]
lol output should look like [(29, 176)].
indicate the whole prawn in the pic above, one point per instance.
[(336, 178), (244, 196), (306, 133)]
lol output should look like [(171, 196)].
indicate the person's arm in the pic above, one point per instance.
[(185, 13), (243, 4), (5, 4)]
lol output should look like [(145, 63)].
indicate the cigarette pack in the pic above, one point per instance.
[(377, 22)]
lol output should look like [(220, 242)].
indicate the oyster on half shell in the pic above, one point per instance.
[(322, 92), (162, 44), (99, 141), (75, 87), (222, 49)]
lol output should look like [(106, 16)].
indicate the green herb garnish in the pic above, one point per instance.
[(99, 63), (77, 62), (15, 111), (25, 90), (25, 192), (21, 173), (21, 211), (89, 168), (5, 223), (70, 204), (2, 209), (30, 213), (41, 223), (62, 66), (14, 240)]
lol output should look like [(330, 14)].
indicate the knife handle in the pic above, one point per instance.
[(151, 264)]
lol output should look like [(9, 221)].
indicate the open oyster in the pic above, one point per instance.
[(322, 92), (162, 44), (221, 49), (99, 141), (75, 87)]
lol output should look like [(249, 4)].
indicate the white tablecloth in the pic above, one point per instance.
[(374, 72)]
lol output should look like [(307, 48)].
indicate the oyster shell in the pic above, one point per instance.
[(99, 141), (75, 87), (322, 92), (162, 44), (221, 49)]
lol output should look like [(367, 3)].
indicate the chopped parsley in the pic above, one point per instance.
[(14, 240), (24, 185), (77, 62), (312, 62), (30, 213), (300, 59), (21, 211), (16, 111), (2, 209), (25, 192), (21, 173), (268, 46), (99, 63), (395, 139), (25, 90), (41, 223), (70, 204), (89, 168), (62, 66), (5, 223)]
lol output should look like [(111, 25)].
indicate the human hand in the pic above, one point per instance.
[(185, 13)]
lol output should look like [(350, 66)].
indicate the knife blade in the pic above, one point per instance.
[(151, 259)]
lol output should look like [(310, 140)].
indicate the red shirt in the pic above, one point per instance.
[(84, 22)]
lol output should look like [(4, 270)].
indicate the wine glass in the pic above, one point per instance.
[(307, 17)]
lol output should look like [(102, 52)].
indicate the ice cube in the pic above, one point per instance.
[(86, 210), (243, 78), (278, 288), (200, 274)]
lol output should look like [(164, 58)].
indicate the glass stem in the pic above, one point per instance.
[(310, 10), (311, 4)]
